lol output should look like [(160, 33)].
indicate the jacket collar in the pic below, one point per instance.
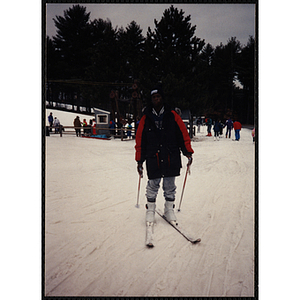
[(148, 110), (160, 112)]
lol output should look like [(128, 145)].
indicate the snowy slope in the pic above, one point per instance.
[(95, 237)]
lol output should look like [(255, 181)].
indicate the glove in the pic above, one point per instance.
[(190, 160), (140, 169)]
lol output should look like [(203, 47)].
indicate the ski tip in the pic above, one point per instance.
[(137, 206), (196, 241), (174, 223)]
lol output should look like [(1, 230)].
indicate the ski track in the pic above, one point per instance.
[(95, 237)]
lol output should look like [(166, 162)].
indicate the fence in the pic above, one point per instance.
[(118, 132)]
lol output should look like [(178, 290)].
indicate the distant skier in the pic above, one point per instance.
[(50, 120), (237, 128), (112, 126), (85, 126), (129, 127), (229, 125), (221, 127), (198, 124), (209, 125), (160, 137), (217, 129), (77, 124), (253, 134), (56, 124)]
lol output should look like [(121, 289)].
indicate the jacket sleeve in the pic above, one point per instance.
[(186, 147), (138, 141)]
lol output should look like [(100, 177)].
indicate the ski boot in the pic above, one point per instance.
[(169, 212), (150, 213)]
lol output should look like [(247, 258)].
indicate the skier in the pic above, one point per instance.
[(77, 124), (56, 124), (209, 124), (84, 124), (50, 120), (221, 128), (229, 125), (129, 127), (112, 125), (217, 129), (237, 128), (94, 125), (160, 137), (198, 124)]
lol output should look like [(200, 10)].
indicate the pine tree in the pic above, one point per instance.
[(131, 45), (172, 49), (72, 40), (225, 64), (246, 75)]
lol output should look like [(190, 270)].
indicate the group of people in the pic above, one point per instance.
[(87, 129), (53, 122), (236, 125), (112, 127), (218, 127)]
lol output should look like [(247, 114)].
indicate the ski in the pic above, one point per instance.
[(179, 229), (149, 234)]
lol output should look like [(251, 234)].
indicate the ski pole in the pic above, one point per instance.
[(138, 195), (187, 171)]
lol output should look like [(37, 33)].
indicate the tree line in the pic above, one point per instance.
[(88, 60)]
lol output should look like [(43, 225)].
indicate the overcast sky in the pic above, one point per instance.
[(215, 23)]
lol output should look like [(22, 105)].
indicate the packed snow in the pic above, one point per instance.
[(95, 236)]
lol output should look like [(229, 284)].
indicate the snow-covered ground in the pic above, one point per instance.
[(95, 236)]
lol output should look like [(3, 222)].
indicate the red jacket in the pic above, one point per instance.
[(237, 125)]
